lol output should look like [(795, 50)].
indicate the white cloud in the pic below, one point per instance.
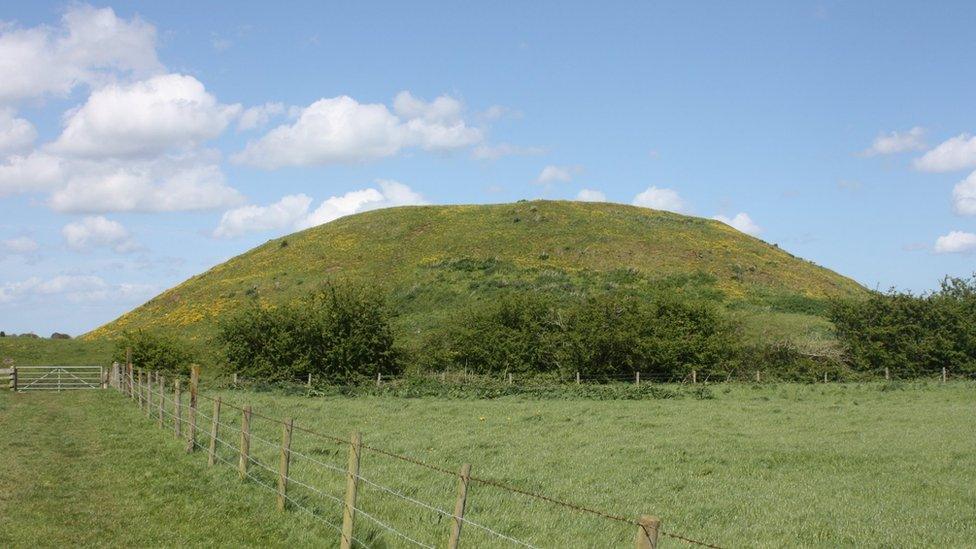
[(292, 211), (90, 46), (740, 222), (35, 172), (97, 232), (964, 196), (497, 112), (956, 153), (956, 242), (551, 174), (589, 195), (143, 119), (19, 245), (73, 288), (661, 199), (342, 130), (897, 142), (259, 116), (390, 193), (16, 134), (494, 152), (287, 212), (167, 184)]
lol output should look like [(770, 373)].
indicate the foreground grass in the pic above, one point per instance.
[(785, 465), (85, 469), (867, 465)]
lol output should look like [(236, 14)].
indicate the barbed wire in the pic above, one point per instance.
[(484, 481)]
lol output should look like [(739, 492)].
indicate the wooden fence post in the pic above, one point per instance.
[(694, 376), (214, 430), (245, 442), (379, 378), (102, 377), (757, 376), (191, 434), (162, 401), (510, 378), (149, 401), (234, 378), (887, 374), (825, 377), (139, 389), (128, 370), (114, 377), (309, 384), (352, 483), (647, 530), (943, 374), (462, 499), (13, 378), (177, 409), (283, 463), (637, 378), (577, 377)]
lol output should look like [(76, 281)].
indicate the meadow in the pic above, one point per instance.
[(869, 465)]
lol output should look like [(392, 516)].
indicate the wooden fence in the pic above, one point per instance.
[(162, 400)]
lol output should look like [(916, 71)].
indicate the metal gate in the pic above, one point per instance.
[(59, 378)]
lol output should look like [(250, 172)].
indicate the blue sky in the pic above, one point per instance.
[(143, 142)]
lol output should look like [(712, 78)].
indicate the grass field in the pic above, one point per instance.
[(778, 465)]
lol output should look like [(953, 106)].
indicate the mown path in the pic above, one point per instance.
[(81, 469)]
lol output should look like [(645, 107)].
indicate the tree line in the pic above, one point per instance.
[(345, 333)]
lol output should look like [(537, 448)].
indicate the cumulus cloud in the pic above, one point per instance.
[(342, 130), (259, 116), (661, 199), (16, 134), (166, 184), (292, 212), (897, 142), (143, 119), (35, 172), (74, 288), (740, 222), (285, 213), (956, 153), (956, 242), (98, 232), (90, 46), (494, 152), (964, 196), (589, 195), (552, 174), (19, 245)]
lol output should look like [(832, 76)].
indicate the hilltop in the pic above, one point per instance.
[(438, 260)]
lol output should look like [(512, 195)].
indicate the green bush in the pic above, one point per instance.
[(154, 352), (608, 336), (336, 334), (911, 334)]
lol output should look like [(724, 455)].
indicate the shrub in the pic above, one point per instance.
[(154, 352), (336, 334), (520, 333), (615, 336), (911, 334), (605, 337)]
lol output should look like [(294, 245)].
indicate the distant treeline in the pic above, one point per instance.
[(344, 333)]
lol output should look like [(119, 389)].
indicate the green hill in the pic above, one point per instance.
[(439, 260)]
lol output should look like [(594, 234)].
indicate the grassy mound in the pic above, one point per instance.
[(438, 260)]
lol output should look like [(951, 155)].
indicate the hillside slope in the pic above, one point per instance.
[(437, 260)]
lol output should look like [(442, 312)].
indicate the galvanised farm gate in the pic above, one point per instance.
[(56, 378)]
